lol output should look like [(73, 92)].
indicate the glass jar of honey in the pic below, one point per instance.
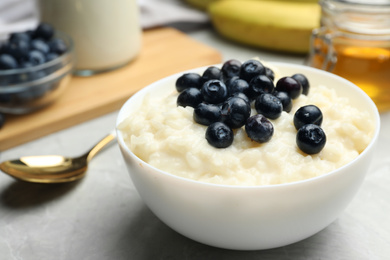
[(354, 43)]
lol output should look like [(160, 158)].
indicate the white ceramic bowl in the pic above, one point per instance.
[(250, 218)]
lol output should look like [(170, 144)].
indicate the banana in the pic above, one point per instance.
[(276, 25)]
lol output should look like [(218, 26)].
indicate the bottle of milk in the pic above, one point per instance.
[(106, 34)]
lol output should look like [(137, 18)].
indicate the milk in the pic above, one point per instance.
[(106, 34)]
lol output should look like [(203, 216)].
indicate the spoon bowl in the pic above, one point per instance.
[(53, 168)]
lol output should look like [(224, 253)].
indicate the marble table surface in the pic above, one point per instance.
[(103, 217)]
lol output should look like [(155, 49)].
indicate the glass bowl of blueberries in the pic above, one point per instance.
[(35, 68)]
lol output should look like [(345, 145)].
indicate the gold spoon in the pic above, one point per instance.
[(53, 168)]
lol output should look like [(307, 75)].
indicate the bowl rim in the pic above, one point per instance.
[(369, 147)]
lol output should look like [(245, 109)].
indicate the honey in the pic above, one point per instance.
[(354, 48), (368, 68)]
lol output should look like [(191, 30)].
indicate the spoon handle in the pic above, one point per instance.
[(99, 146)]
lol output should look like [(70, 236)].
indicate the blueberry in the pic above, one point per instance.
[(35, 57), (58, 46), (2, 120), (304, 82), (260, 84), (309, 114), (229, 81), (39, 45), (289, 85), (2, 48), (44, 31), (189, 97), (251, 68), (269, 106), (33, 93), (206, 114), (7, 62), (311, 139), (51, 56), (238, 85), (30, 33), (219, 135), (25, 64), (188, 80), (285, 99), (242, 96), (231, 68), (259, 128), (24, 36), (17, 48), (235, 111), (36, 75), (214, 91), (210, 73), (270, 73)]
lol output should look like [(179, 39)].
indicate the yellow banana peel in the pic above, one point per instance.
[(276, 25)]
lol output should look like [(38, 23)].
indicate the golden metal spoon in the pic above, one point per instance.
[(53, 168)]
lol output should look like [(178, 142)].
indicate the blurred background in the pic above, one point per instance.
[(350, 38)]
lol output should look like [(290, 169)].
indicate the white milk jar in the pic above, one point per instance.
[(106, 33)]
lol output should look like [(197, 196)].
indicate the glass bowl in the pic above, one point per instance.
[(26, 90)]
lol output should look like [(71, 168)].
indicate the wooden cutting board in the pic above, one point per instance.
[(164, 51)]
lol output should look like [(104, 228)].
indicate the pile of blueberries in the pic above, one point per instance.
[(31, 48), (222, 100)]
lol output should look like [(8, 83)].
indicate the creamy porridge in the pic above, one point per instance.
[(165, 136)]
